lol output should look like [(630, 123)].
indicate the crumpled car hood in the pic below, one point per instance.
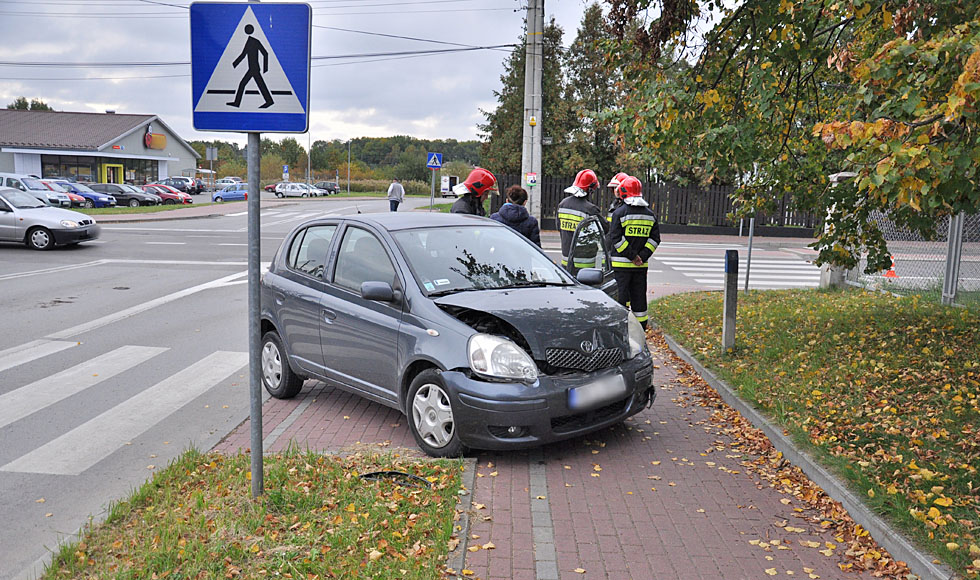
[(552, 317)]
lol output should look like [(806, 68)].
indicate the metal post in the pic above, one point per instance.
[(748, 260), (432, 196), (731, 300), (254, 297), (348, 167), (954, 252)]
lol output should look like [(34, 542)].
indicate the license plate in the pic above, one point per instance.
[(604, 389)]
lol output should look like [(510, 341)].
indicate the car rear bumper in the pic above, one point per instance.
[(485, 412), (77, 234)]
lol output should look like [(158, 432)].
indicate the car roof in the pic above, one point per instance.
[(394, 221)]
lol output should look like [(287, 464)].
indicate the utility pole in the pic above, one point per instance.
[(533, 123)]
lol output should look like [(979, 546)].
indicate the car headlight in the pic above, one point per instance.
[(637, 337), (69, 224), (497, 357)]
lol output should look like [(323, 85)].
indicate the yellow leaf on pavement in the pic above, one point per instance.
[(579, 570), (771, 571)]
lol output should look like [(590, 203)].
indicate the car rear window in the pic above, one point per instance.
[(308, 253)]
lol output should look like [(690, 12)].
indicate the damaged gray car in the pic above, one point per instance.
[(457, 321)]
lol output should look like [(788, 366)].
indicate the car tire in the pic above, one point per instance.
[(169, 202), (218, 199), (279, 195), (430, 416), (89, 204), (302, 195), (134, 203), (277, 376), (39, 239)]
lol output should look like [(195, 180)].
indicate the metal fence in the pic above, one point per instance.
[(674, 205), (946, 269)]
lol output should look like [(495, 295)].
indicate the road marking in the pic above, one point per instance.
[(166, 243), (236, 214), (93, 441), (232, 244), (139, 308), (754, 282), (51, 270), (31, 398), (721, 260), (33, 350), (719, 271)]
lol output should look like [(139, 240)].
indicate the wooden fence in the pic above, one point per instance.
[(690, 208)]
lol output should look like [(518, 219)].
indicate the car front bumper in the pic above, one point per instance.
[(485, 411), (77, 234)]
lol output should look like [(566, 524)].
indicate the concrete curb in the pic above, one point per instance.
[(456, 559), (919, 562)]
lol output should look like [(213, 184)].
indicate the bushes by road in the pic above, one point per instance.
[(883, 390)]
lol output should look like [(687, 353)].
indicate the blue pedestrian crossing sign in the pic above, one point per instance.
[(435, 160), (250, 66)]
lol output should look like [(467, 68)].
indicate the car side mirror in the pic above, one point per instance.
[(379, 291), (590, 276)]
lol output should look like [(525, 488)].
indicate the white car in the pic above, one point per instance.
[(226, 181), (297, 190), (24, 219)]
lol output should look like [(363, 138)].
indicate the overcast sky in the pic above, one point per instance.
[(436, 96)]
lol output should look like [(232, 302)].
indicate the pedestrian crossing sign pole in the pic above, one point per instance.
[(435, 164), (250, 73)]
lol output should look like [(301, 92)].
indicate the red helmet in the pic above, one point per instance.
[(479, 181), (585, 183), (617, 179), (630, 188)]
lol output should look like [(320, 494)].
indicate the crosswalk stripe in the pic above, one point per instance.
[(93, 441), (29, 351), (754, 282), (721, 260), (31, 398), (791, 273)]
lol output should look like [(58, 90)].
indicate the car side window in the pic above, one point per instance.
[(362, 258), (308, 254), (15, 183)]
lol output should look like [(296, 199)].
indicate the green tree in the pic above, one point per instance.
[(21, 103), (780, 94), (502, 134)]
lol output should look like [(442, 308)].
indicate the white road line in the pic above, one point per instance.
[(232, 244), (155, 230), (236, 214), (768, 284), (719, 271), (134, 310), (166, 243), (51, 270), (93, 441), (31, 398), (763, 275), (29, 351), (721, 260)]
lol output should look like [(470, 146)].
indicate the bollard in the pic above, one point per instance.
[(731, 300)]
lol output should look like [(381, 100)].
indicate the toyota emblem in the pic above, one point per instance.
[(587, 347)]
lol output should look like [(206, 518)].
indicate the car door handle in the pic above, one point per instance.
[(329, 316), (280, 298)]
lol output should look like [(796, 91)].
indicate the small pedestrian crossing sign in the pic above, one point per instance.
[(250, 66), (435, 161)]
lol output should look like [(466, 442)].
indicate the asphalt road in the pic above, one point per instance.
[(118, 355)]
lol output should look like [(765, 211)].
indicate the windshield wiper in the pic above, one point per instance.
[(454, 291), (531, 284)]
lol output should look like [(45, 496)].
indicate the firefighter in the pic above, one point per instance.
[(633, 236), (617, 200), (575, 208), (471, 192)]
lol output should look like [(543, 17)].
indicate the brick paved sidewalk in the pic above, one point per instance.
[(664, 496)]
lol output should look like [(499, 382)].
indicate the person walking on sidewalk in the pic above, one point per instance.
[(396, 194), (633, 236), (617, 200), (575, 208), (515, 215), (471, 192)]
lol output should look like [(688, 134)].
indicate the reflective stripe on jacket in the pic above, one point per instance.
[(571, 211), (633, 232)]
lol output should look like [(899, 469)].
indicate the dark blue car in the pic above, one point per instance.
[(92, 198), (233, 192), (457, 321)]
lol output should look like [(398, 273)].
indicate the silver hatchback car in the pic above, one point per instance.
[(25, 219)]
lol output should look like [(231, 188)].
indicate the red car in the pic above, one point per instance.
[(169, 194), (76, 200)]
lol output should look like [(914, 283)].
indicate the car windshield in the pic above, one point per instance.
[(446, 260), (21, 200), (34, 184), (55, 186), (131, 188), (83, 187)]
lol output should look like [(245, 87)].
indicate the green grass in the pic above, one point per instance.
[(884, 390), (125, 209), (196, 519)]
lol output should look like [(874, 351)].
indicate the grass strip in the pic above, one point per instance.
[(317, 519), (125, 209), (883, 390)]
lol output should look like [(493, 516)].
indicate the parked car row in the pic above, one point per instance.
[(170, 195)]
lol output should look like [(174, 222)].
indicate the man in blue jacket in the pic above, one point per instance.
[(514, 214)]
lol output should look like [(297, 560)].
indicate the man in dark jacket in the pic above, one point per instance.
[(514, 214), (471, 192)]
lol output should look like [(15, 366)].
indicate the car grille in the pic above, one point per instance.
[(567, 358), (87, 222), (570, 423)]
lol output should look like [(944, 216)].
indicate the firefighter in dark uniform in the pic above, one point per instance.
[(471, 192), (575, 208), (613, 187), (633, 236)]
